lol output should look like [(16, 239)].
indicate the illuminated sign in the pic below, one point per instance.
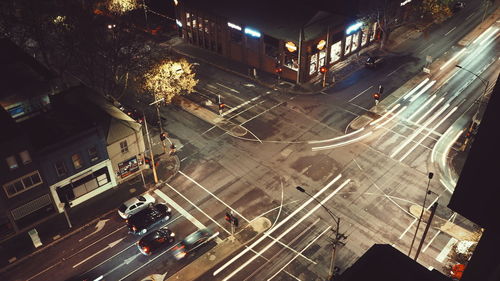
[(405, 2), (290, 46), (353, 28), (232, 25), (321, 44), (252, 32), (176, 2), (178, 22)]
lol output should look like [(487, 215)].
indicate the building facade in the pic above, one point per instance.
[(292, 42)]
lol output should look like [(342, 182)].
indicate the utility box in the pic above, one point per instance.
[(35, 238)]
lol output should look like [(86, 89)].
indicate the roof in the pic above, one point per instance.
[(22, 76), (278, 18), (384, 262), (476, 194), (116, 124)]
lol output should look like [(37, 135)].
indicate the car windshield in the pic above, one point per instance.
[(122, 208), (141, 198)]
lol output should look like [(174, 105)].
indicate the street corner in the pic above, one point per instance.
[(360, 122), (168, 167)]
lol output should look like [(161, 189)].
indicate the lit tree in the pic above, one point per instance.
[(121, 7), (438, 9), (169, 79)]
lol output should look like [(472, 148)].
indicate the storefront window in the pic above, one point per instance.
[(313, 65), (291, 60), (364, 37), (322, 58), (128, 167), (374, 31), (348, 41), (335, 52), (355, 40)]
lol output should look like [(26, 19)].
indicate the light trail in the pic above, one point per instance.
[(385, 114), (416, 88), (268, 232), (423, 90), (452, 59), (421, 108), (337, 138), (342, 143)]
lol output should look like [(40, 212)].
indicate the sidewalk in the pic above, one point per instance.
[(55, 228)]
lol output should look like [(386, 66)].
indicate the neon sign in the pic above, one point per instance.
[(354, 27), (252, 32), (234, 26)]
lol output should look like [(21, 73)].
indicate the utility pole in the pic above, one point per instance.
[(150, 150), (422, 212), (156, 102), (338, 236), (433, 211)]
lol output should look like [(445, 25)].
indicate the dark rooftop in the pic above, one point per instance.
[(278, 18)]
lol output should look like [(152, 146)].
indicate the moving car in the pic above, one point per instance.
[(156, 240), (192, 242), (373, 62), (148, 218), (134, 205)]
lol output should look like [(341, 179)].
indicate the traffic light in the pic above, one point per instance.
[(228, 217), (163, 136), (231, 219), (278, 69), (376, 96), (323, 69), (221, 106)]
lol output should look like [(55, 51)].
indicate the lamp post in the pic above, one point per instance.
[(338, 236), (485, 83), (159, 121), (427, 191)]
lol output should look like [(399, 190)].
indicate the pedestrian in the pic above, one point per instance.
[(172, 149)]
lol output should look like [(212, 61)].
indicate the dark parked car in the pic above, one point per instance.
[(146, 219), (156, 240), (192, 242), (458, 6), (373, 62)]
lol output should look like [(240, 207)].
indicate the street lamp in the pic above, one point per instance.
[(486, 84), (427, 191), (338, 236)]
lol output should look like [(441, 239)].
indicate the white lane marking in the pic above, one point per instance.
[(421, 108), (449, 31), (321, 204), (482, 34), (423, 90), (429, 111), (307, 246), (231, 89), (430, 45), (337, 138), (452, 218), (239, 106), (394, 71), (341, 143), (416, 219), (271, 230), (214, 196), (417, 132), (99, 226), (452, 59), (468, 17), (181, 210), (390, 118), (110, 245), (360, 93), (426, 135), (385, 114), (420, 85), (444, 253), (125, 262)]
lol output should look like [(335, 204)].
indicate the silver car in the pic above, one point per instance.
[(136, 204)]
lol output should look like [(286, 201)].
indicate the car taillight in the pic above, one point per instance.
[(134, 228), (145, 249)]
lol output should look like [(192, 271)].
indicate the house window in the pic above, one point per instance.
[(60, 168), (93, 153), (11, 162), (77, 161), (25, 157), (20, 185), (124, 146)]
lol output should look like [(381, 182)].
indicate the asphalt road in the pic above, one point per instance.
[(368, 182)]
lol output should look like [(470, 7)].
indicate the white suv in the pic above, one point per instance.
[(134, 205)]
